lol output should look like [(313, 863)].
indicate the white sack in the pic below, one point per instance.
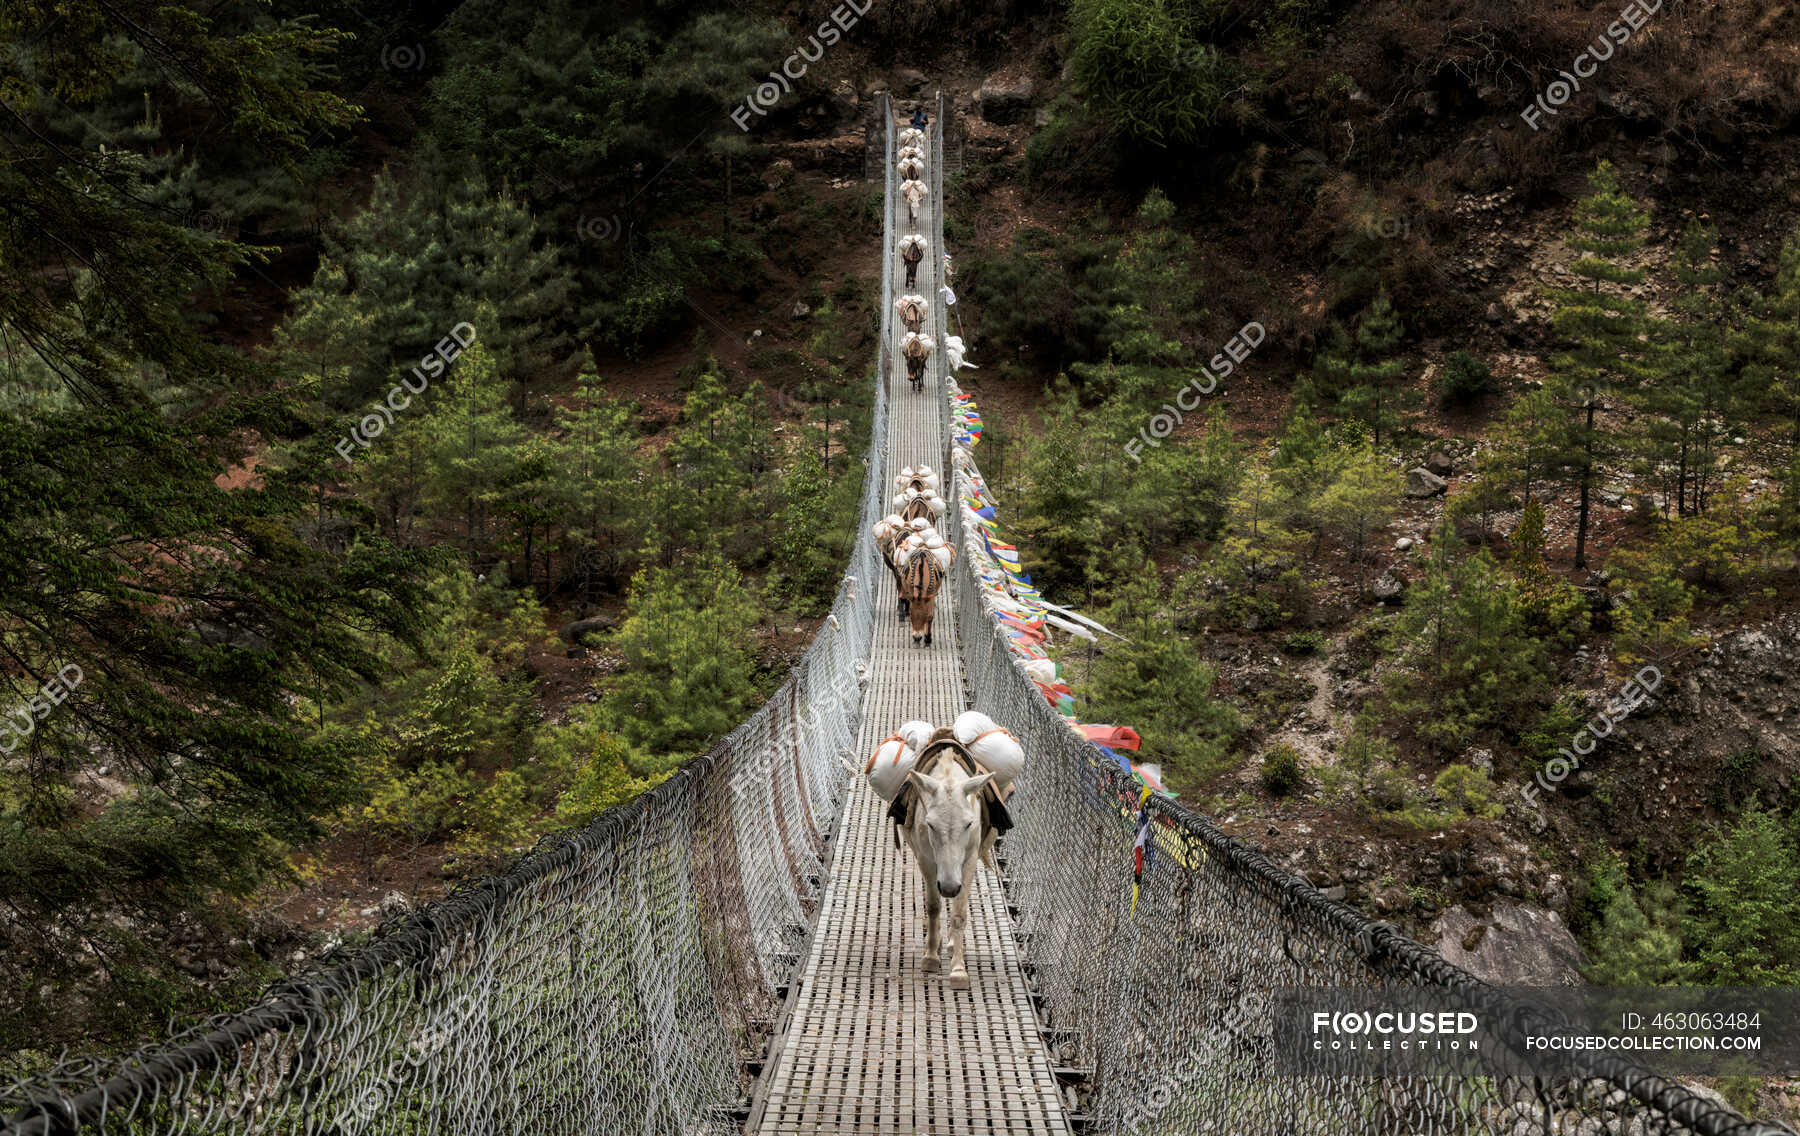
[(888, 766), (992, 746)]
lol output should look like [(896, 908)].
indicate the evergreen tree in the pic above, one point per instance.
[(1302, 465), (1361, 497), (477, 449), (598, 481), (1532, 445), (691, 671), (1157, 682), (1769, 343), (416, 262), (1252, 577), (1370, 374), (1600, 324), (1217, 470), (1553, 607), (1693, 400), (205, 620), (707, 492), (1743, 923), (1638, 943), (807, 565), (1147, 68), (325, 340), (529, 500), (1467, 660), (607, 772)]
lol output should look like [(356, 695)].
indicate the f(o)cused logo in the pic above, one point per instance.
[(403, 57), (598, 228)]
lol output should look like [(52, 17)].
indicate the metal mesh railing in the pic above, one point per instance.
[(617, 979), (1170, 1008)]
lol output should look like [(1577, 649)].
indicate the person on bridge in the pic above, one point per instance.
[(918, 119)]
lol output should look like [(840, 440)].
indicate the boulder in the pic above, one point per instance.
[(1514, 945), (801, 310), (1421, 482), (1439, 463), (1389, 587), (1003, 103), (573, 632), (909, 79), (1471, 531), (1403, 544)]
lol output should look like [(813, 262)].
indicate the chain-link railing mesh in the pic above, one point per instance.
[(616, 980), (1170, 1009)]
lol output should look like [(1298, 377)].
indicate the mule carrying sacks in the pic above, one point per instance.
[(997, 750)]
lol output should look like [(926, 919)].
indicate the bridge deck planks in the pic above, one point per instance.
[(873, 1044)]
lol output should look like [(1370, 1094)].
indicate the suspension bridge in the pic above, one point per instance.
[(738, 951)]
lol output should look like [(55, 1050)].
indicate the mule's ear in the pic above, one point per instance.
[(975, 784), (924, 783)]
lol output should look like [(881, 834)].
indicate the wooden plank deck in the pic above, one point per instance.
[(872, 1044)]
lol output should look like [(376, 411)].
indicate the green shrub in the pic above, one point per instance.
[(1281, 773), (1389, 791), (1467, 791), (1303, 642), (1465, 378), (1142, 68)]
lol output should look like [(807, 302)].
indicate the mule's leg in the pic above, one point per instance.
[(934, 904), (959, 922)]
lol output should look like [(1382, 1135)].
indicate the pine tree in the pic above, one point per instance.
[(1468, 662), (1743, 924), (204, 619), (1157, 683), (606, 773), (1601, 325), (1532, 444), (327, 338), (529, 502), (691, 667), (1252, 578), (1217, 470), (497, 255), (1372, 374), (1769, 343), (419, 261), (598, 481), (1693, 401), (1638, 943), (707, 491), (807, 565), (1302, 465), (1361, 497), (477, 447)]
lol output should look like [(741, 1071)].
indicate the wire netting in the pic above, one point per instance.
[(1170, 1010)]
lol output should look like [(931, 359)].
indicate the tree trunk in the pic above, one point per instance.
[(1587, 476), (1681, 480)]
